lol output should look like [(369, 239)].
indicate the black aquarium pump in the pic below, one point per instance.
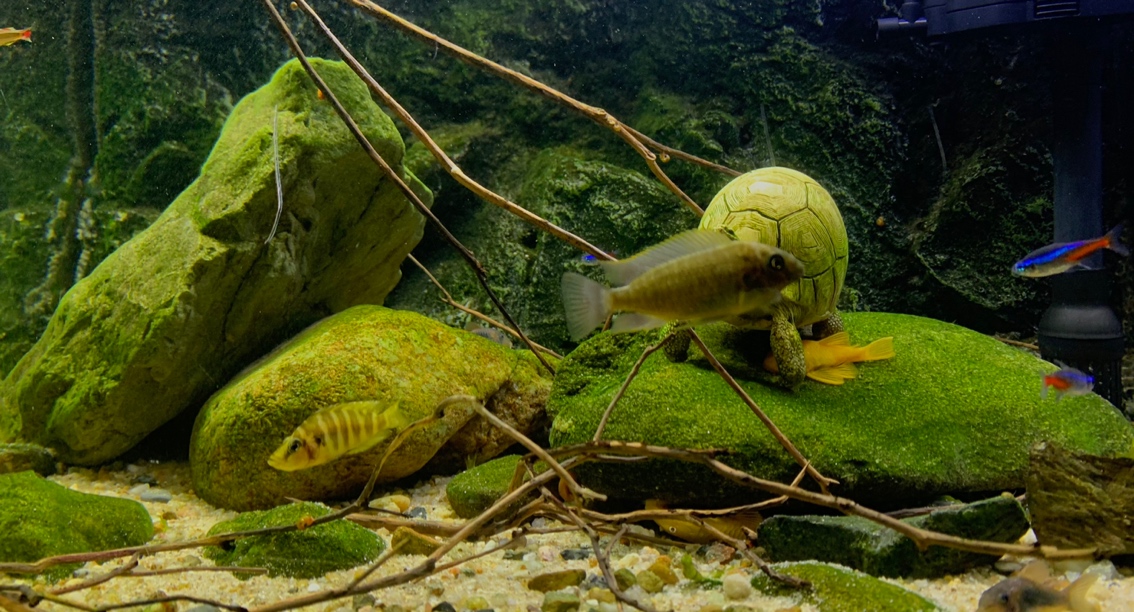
[(1079, 328)]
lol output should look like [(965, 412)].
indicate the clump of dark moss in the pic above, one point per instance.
[(306, 553)]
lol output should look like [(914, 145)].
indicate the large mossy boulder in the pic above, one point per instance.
[(954, 412), (305, 553), (40, 518), (366, 352), (200, 293)]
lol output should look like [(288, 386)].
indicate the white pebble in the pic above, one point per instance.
[(736, 586), (138, 490)]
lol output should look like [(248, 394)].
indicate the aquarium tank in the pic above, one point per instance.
[(566, 305)]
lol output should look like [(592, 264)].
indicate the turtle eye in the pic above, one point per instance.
[(294, 447), (777, 262)]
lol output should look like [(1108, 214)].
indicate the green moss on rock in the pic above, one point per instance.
[(955, 412), (474, 490), (365, 352), (40, 518), (866, 546), (839, 589), (198, 294), (308, 553)]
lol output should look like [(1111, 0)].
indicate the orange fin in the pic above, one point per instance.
[(840, 339), (882, 348), (835, 375)]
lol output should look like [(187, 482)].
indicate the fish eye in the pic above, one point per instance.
[(777, 262), (294, 446)]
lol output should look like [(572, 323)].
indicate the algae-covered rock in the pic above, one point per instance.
[(1081, 501), (19, 457), (197, 295), (474, 490), (40, 518), (365, 352), (953, 412), (306, 553), (866, 546), (839, 589)]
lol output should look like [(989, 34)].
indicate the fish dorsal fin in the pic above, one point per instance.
[(840, 339), (1077, 594), (624, 272)]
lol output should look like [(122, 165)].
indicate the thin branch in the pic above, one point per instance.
[(448, 299), (476, 266), (595, 114), (922, 537), (822, 480), (446, 162)]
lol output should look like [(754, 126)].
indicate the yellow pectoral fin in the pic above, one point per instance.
[(835, 375)]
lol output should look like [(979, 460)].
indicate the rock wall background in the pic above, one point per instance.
[(721, 79)]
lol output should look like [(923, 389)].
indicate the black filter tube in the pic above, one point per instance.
[(1080, 328)]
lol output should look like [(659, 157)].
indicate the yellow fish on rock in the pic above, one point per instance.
[(342, 429), (831, 360)]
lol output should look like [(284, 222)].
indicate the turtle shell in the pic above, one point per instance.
[(788, 209)]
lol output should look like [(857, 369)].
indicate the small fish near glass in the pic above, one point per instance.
[(1063, 256), (1067, 381), (11, 36), (343, 429), (683, 527), (695, 277)]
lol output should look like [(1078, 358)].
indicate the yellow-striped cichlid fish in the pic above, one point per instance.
[(696, 276), (341, 429)]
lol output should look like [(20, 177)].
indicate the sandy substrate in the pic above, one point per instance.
[(494, 580)]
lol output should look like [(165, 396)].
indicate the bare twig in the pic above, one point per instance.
[(477, 268), (595, 114), (446, 162), (922, 537), (822, 480), (448, 299)]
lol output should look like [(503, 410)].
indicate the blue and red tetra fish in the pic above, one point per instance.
[(1067, 381), (1062, 256)]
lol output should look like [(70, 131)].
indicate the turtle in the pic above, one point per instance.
[(788, 209)]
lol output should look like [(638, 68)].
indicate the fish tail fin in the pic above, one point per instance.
[(586, 302), (882, 348), (1077, 594), (396, 417), (1114, 241), (26, 35)]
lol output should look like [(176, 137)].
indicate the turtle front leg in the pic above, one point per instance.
[(676, 349), (829, 327), (787, 347)]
